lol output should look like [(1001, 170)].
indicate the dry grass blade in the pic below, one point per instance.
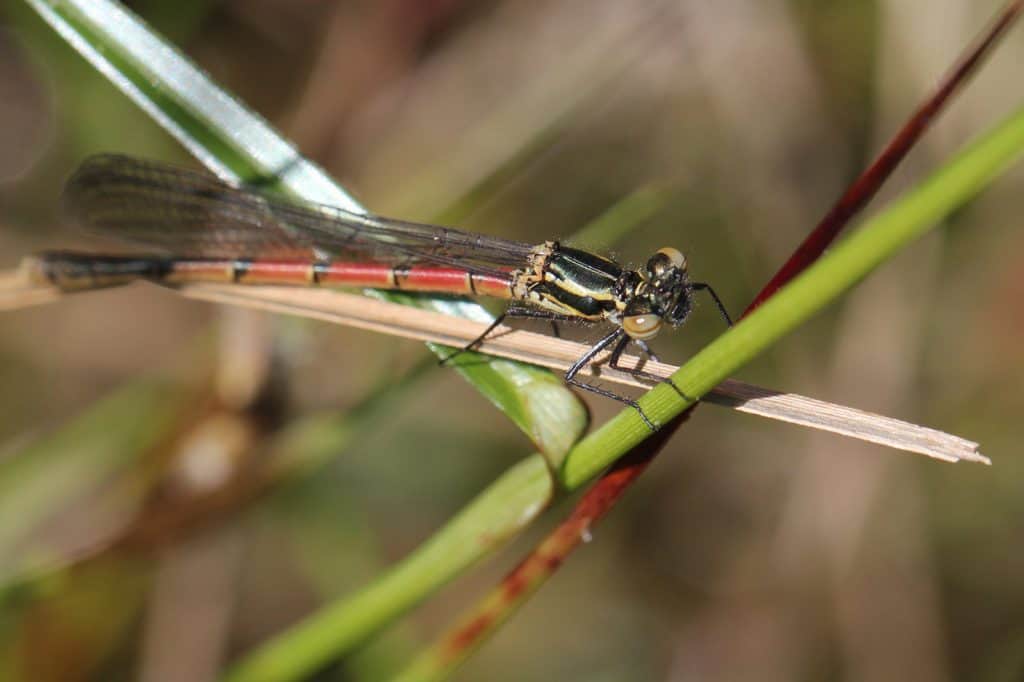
[(539, 349), (17, 290), (848, 421)]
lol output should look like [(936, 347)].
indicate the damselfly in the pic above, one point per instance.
[(214, 231)]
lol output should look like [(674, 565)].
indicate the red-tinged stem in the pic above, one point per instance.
[(525, 578), (866, 186)]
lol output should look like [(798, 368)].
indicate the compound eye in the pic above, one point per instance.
[(642, 327), (675, 256)]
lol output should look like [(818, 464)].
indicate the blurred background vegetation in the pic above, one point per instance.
[(751, 549)]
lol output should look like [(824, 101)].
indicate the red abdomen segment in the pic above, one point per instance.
[(375, 276), (77, 271)]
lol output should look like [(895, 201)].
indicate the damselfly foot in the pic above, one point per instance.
[(637, 371), (614, 396)]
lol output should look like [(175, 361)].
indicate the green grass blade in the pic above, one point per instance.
[(835, 273), (239, 145), (216, 128), (486, 523)]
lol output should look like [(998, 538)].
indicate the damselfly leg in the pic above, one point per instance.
[(588, 358), (618, 337), (513, 312), (704, 286)]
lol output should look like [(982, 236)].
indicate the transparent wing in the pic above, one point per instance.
[(190, 213)]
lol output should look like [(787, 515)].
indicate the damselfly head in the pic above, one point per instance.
[(662, 297), (668, 294)]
